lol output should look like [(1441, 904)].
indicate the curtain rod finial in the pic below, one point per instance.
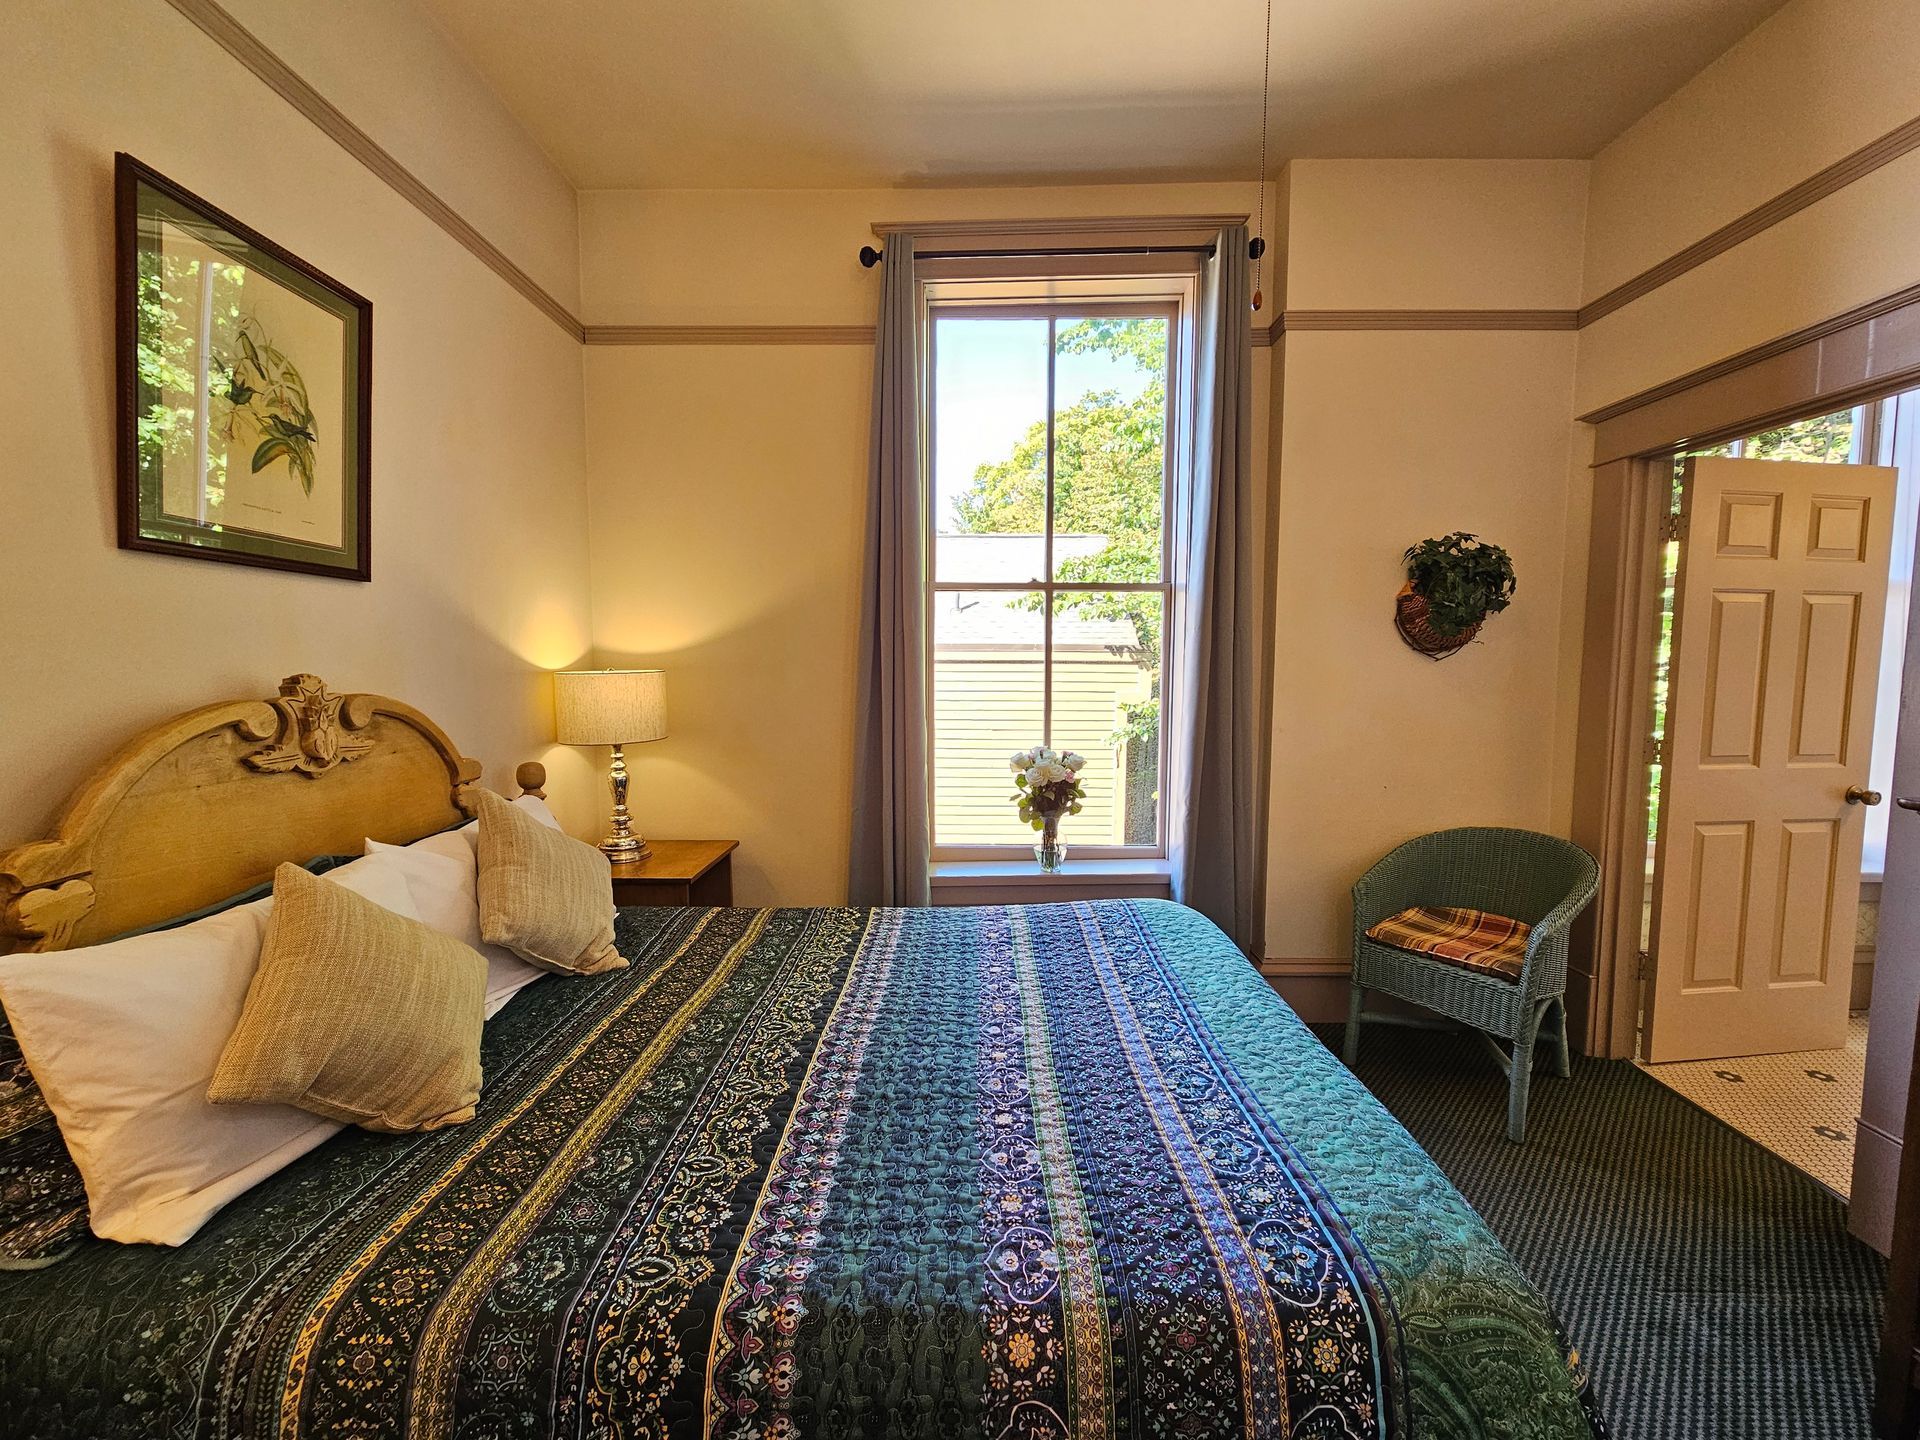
[(1256, 247), (870, 257)]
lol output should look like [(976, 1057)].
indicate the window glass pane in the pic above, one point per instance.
[(988, 678), (1899, 446), (1825, 439), (1106, 706), (989, 448), (1110, 434)]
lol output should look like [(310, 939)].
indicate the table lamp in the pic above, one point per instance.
[(617, 708)]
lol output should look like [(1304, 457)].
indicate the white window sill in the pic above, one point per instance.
[(1028, 872)]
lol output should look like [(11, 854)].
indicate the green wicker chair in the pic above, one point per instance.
[(1516, 873)]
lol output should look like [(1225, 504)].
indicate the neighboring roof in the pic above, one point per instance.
[(991, 623), (1006, 557)]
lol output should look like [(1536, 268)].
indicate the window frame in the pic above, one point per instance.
[(1055, 299)]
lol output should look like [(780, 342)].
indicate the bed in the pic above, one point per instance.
[(1054, 1170)]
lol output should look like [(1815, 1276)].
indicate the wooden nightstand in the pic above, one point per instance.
[(678, 872)]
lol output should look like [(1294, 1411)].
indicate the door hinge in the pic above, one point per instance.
[(1656, 750), (1674, 527), (1642, 964)]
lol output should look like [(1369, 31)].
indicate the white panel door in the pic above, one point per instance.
[(1781, 596)]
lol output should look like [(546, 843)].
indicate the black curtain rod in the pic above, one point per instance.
[(870, 257)]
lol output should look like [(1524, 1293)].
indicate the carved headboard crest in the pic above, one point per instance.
[(208, 803), (313, 728)]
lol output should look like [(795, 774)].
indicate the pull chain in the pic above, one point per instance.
[(1259, 246)]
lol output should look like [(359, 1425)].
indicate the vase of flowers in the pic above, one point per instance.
[(1048, 784)]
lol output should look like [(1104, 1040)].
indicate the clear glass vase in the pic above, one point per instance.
[(1050, 853)]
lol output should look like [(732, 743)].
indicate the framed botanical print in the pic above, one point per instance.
[(245, 376)]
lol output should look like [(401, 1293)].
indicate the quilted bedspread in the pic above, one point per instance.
[(1061, 1170)]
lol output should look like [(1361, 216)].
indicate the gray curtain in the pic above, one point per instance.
[(889, 852), (1215, 819)]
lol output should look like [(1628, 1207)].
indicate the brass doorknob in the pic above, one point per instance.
[(1858, 796)]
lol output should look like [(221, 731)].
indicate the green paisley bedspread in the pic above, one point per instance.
[(1061, 1170)]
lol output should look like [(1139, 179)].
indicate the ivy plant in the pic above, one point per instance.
[(1462, 578)]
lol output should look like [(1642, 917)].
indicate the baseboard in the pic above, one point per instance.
[(1319, 989), (1315, 986)]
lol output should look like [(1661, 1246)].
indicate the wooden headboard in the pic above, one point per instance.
[(208, 803)]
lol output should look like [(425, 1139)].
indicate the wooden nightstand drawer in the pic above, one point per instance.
[(678, 872)]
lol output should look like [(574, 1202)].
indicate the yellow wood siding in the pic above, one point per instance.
[(987, 704)]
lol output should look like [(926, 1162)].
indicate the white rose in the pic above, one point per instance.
[(1073, 761), (1048, 772)]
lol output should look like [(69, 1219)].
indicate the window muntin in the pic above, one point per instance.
[(1049, 434)]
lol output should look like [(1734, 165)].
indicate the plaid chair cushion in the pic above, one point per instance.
[(1474, 940)]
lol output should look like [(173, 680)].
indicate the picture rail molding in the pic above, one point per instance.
[(289, 85), (220, 25), (1818, 186)]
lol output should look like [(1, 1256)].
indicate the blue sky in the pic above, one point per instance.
[(990, 384)]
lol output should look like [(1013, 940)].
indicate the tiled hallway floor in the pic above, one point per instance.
[(1802, 1105)]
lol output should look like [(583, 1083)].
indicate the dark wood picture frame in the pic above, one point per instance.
[(211, 542)]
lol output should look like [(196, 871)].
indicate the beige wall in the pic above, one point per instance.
[(728, 504), (787, 257), (729, 494), (1815, 82), (482, 535), (395, 75), (1389, 437), (479, 514), (1434, 234), (1387, 434)]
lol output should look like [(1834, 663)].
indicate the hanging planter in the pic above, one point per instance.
[(1453, 584)]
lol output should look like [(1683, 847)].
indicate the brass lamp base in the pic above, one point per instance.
[(621, 843)]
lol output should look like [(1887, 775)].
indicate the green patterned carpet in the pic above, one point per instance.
[(1713, 1288)]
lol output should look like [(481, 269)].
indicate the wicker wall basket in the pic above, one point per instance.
[(1410, 619)]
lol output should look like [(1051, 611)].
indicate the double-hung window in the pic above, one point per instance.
[(1051, 444)]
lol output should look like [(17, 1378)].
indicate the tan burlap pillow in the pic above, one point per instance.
[(545, 896), (356, 1013)]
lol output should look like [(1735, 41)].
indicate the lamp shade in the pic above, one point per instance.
[(609, 707)]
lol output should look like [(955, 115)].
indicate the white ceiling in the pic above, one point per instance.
[(822, 93)]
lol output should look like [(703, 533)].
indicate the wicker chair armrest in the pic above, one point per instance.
[(1551, 930), (1386, 889), (1558, 920)]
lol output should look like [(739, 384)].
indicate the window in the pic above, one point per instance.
[(1049, 594)]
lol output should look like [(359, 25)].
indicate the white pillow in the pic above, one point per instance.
[(123, 1039), (532, 804), (442, 875)]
